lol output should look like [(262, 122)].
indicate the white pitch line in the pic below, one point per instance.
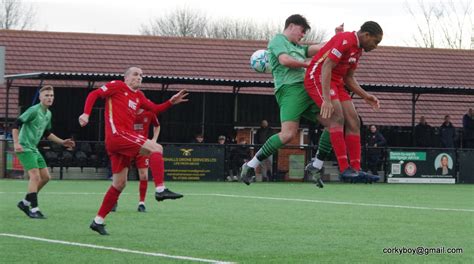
[(338, 203), (115, 249), (283, 199)]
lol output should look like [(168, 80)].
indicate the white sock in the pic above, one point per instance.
[(317, 163), (254, 162), (141, 203), (25, 202), (34, 210), (99, 220), (160, 188)]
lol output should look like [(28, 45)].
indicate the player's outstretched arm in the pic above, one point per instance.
[(69, 143), (290, 62), (179, 97), (90, 101), (354, 86), (159, 108)]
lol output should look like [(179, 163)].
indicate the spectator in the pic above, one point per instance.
[(468, 126), (238, 155), (375, 140), (198, 138), (447, 133), (2, 131), (423, 134), (221, 140), (262, 135)]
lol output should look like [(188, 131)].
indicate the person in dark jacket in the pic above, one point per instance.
[(375, 140), (468, 127), (262, 135), (447, 133), (423, 134), (238, 155)]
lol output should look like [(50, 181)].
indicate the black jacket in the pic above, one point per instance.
[(423, 135), (447, 134)]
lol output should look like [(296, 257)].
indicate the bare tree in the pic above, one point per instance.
[(225, 28), (316, 35), (442, 24), (186, 22), (182, 22), (14, 14)]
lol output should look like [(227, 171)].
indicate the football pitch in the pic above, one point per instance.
[(235, 223)]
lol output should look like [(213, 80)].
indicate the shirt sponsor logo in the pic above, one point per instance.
[(132, 104), (352, 60), (337, 53)]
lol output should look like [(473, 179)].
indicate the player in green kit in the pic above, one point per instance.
[(35, 123), (289, 60)]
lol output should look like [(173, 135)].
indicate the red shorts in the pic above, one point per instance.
[(122, 147), (315, 91), (142, 161)]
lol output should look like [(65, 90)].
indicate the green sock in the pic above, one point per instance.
[(270, 147), (324, 147)]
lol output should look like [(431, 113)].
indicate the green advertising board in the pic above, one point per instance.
[(188, 162), (296, 167), (421, 166)]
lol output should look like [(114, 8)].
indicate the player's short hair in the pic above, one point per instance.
[(128, 70), (371, 27), (46, 88), (297, 20)]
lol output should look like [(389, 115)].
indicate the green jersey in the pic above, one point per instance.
[(35, 121), (283, 75)]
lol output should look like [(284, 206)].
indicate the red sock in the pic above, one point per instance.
[(110, 199), (142, 189), (354, 149), (339, 145), (157, 166)]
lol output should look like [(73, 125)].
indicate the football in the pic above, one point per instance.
[(259, 61)]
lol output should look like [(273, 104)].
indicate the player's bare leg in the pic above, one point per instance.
[(31, 198), (158, 171), (289, 130), (119, 181)]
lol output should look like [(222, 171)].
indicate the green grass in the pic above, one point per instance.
[(304, 228)]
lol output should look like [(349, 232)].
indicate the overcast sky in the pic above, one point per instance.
[(125, 17)]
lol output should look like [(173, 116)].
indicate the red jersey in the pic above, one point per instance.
[(143, 120), (121, 106), (344, 50)]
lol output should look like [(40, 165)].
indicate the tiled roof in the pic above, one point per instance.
[(33, 51)]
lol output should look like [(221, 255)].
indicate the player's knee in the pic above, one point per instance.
[(353, 125), (157, 148), (46, 178), (120, 185), (338, 119), (143, 176), (286, 136)]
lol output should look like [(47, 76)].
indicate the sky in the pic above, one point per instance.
[(126, 17)]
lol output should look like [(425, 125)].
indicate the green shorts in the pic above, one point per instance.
[(31, 160), (295, 103)]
